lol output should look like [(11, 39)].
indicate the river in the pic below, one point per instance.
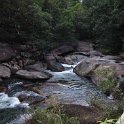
[(66, 87)]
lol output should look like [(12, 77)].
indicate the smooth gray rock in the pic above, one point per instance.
[(4, 72), (33, 75)]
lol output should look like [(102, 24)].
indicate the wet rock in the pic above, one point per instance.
[(33, 75), (36, 100), (63, 50), (6, 52), (84, 47), (30, 99), (4, 72), (86, 115), (39, 66)]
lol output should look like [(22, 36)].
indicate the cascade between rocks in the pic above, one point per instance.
[(65, 86)]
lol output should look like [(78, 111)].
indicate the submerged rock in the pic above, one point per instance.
[(30, 97)]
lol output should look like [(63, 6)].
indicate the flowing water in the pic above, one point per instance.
[(66, 86)]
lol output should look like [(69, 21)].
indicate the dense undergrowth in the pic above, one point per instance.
[(52, 115)]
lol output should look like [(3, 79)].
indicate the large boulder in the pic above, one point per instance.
[(55, 66), (39, 66), (85, 67), (6, 52), (52, 63), (34, 75), (13, 67), (85, 114), (63, 50), (4, 72), (110, 79), (105, 79)]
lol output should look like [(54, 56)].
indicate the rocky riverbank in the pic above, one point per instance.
[(78, 76)]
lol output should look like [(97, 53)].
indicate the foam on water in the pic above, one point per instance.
[(9, 102), (68, 66), (67, 75), (26, 93)]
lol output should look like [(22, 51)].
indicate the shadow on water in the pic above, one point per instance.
[(9, 114)]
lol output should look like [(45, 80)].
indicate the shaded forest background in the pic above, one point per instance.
[(48, 23)]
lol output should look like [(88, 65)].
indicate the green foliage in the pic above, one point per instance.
[(118, 94), (55, 21), (41, 21), (107, 21), (106, 79), (52, 115), (110, 121), (23, 21)]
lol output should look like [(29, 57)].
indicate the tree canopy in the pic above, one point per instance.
[(47, 22)]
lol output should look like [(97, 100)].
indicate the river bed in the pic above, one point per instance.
[(66, 87)]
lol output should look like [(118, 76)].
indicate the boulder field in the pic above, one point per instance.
[(106, 72)]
